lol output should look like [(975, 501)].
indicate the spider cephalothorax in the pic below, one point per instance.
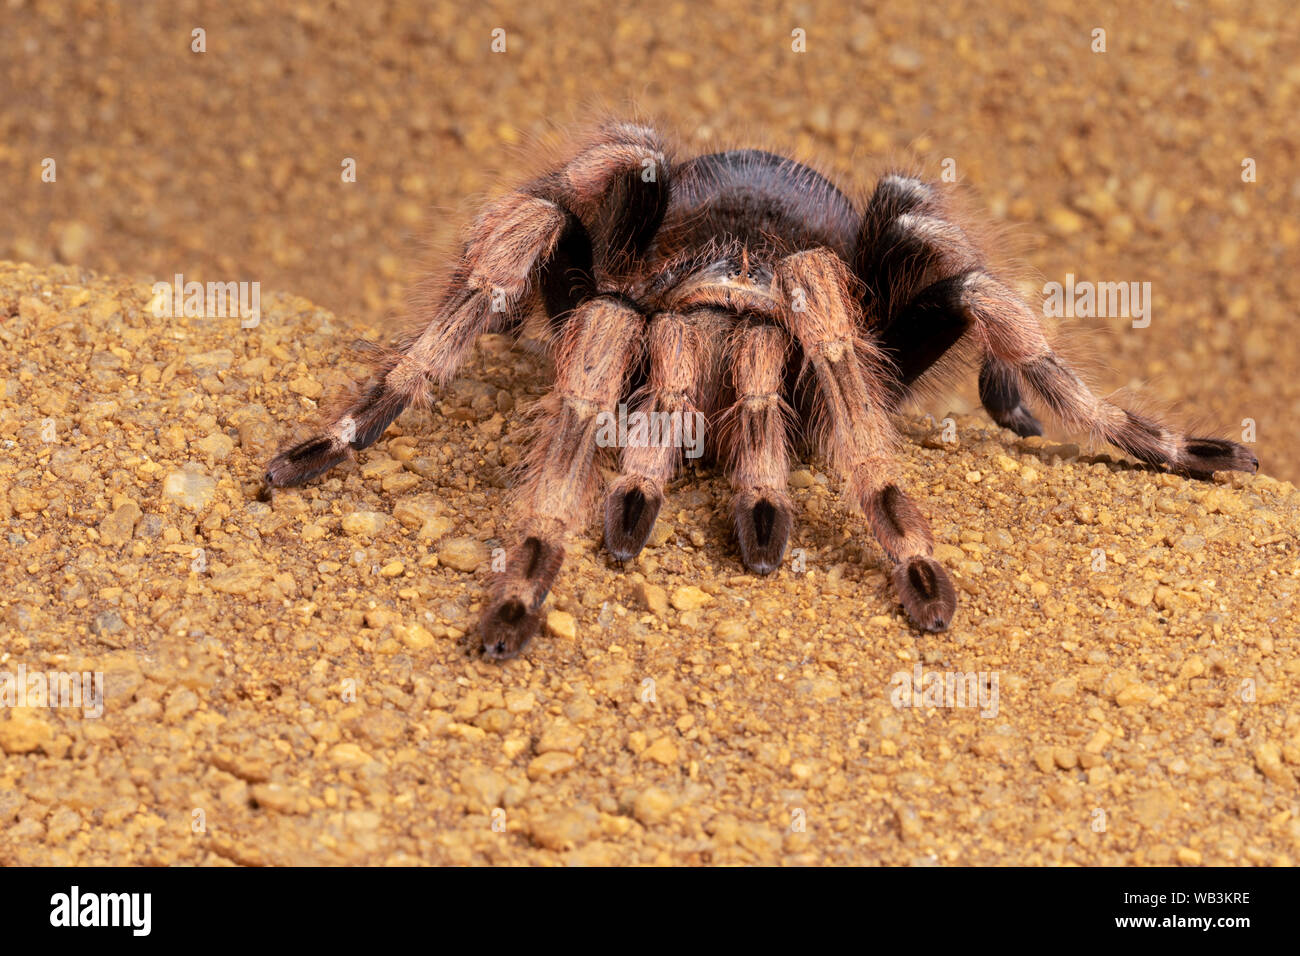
[(746, 288)]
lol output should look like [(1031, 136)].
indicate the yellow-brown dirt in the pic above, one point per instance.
[(295, 678)]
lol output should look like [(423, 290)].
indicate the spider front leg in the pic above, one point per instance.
[(825, 323), (561, 483), (494, 276), (758, 449), (595, 214)]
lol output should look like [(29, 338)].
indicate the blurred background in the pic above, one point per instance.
[(1117, 166)]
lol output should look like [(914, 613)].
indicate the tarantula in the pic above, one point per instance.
[(746, 287)]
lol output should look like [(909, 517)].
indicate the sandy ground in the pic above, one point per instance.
[(293, 680)]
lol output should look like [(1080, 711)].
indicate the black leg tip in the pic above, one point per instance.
[(1202, 457), (1021, 421), (507, 628), (303, 462), (630, 514), (763, 528), (926, 592)]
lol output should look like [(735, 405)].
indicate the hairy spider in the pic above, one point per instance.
[(746, 287)]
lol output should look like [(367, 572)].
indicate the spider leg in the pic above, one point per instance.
[(680, 350), (600, 207), (613, 211), (493, 277), (910, 257), (758, 446), (561, 482), (1013, 337), (1000, 395), (930, 287), (827, 326)]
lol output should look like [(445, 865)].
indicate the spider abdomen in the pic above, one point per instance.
[(759, 199)]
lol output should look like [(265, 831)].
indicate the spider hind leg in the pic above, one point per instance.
[(1000, 395), (1014, 338)]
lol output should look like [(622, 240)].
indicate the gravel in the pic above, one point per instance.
[(293, 680)]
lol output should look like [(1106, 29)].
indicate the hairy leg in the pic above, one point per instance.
[(493, 277), (561, 482), (1012, 336), (682, 354), (858, 432), (936, 289), (757, 446), (597, 212), (911, 259)]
